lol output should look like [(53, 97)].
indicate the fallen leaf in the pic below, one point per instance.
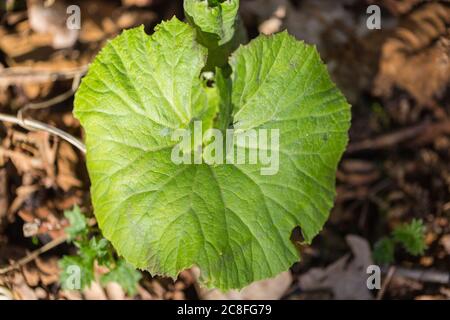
[(51, 19), (94, 292), (49, 271), (419, 46), (21, 290), (5, 294), (66, 177), (270, 289), (346, 277), (114, 291), (445, 242), (70, 295), (31, 275)]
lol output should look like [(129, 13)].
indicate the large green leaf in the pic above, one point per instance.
[(230, 220)]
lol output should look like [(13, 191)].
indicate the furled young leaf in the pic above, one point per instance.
[(218, 28), (230, 220), (215, 19), (77, 223)]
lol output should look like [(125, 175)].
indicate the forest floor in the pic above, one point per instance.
[(396, 168)]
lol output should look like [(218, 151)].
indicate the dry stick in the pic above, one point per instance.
[(426, 130), (37, 125), (55, 100), (24, 75), (432, 276), (36, 253), (386, 282), (33, 255)]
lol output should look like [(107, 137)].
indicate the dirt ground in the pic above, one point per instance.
[(396, 167)]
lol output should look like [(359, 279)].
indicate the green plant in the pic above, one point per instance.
[(411, 236), (93, 249), (229, 219)]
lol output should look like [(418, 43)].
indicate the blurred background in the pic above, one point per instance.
[(393, 184)]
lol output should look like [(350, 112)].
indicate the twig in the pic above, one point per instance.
[(432, 276), (37, 125), (55, 100), (24, 75), (33, 255), (36, 253), (427, 130), (386, 282)]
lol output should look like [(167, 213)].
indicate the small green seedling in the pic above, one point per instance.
[(411, 236), (93, 249), (227, 218)]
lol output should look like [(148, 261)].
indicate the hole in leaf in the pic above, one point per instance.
[(297, 236)]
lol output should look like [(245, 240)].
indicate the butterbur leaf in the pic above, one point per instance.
[(281, 83), (77, 223), (411, 236), (125, 275), (228, 219)]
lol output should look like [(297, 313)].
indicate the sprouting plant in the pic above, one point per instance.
[(411, 236), (93, 249), (226, 217)]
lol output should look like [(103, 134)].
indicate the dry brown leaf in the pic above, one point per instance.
[(3, 195), (140, 3), (49, 270), (21, 161), (41, 294), (417, 57), (6, 294), (51, 19), (144, 294), (21, 290), (70, 295), (47, 146), (345, 278), (157, 289), (31, 275), (430, 297), (134, 18), (445, 242), (269, 289), (398, 7), (67, 161), (16, 44), (47, 265), (114, 291), (22, 194), (94, 292)]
